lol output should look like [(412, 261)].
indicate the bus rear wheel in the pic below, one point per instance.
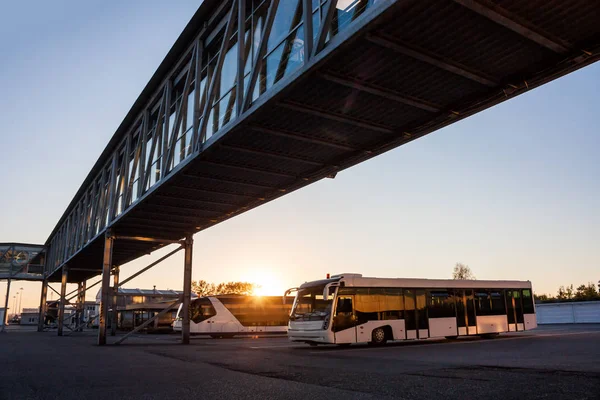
[(378, 336)]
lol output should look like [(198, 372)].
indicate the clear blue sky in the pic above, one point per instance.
[(513, 192)]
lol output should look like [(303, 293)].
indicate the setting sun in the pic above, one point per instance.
[(267, 282)]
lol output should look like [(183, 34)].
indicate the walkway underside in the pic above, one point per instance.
[(420, 66)]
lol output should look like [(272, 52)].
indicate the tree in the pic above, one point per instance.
[(203, 288), (588, 292), (462, 271), (562, 294), (543, 298), (569, 292)]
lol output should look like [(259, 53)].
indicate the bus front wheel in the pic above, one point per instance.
[(378, 336)]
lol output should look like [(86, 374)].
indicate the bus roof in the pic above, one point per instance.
[(358, 280)]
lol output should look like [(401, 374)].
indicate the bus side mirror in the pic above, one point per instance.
[(288, 292), (326, 290)]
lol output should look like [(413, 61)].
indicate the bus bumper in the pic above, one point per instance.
[(309, 336)]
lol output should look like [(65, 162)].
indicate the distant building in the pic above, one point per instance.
[(136, 306), (30, 316)]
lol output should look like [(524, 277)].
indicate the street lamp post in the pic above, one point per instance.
[(20, 301), (15, 304)]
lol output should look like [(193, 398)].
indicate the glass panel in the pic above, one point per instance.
[(228, 72), (409, 315), (310, 305), (483, 303), (498, 305), (421, 302), (367, 307), (201, 310), (189, 118), (316, 25), (134, 190), (344, 316), (188, 143), (441, 304), (391, 304), (470, 308), (286, 58), (288, 16), (527, 302)]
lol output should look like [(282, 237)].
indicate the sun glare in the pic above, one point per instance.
[(267, 283)]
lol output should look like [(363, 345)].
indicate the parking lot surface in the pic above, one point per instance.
[(552, 362)]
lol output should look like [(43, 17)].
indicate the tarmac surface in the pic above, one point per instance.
[(552, 362)]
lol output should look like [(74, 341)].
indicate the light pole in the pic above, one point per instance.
[(15, 303), (20, 300)]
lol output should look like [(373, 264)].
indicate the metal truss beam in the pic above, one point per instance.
[(260, 53), (271, 154), (189, 210), (302, 138), (179, 115), (150, 266), (325, 26), (145, 324), (250, 169), (511, 21), (144, 221), (161, 216), (216, 76), (230, 180), (430, 58), (336, 117), (209, 191), (195, 200), (146, 239), (380, 92)]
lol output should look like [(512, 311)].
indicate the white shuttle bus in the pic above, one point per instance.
[(348, 308), (231, 315)]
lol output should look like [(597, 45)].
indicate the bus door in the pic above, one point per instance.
[(422, 317), (465, 313), (344, 320), (514, 310), (410, 314)]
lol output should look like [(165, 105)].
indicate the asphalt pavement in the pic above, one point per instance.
[(552, 362)]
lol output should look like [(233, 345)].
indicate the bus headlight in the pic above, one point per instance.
[(326, 322)]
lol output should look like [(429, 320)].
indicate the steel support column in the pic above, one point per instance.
[(187, 290), (106, 265), (114, 314), (81, 292), (6, 304), (43, 297), (63, 298)]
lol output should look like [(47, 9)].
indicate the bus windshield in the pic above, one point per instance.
[(310, 306)]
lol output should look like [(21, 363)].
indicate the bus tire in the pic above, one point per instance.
[(489, 335), (378, 336)]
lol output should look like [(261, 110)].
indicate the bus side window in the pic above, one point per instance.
[(527, 302)]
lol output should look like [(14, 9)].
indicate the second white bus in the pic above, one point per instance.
[(231, 315)]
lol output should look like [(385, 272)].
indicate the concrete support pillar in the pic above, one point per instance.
[(6, 305), (63, 299), (187, 290), (105, 290), (43, 298), (115, 314)]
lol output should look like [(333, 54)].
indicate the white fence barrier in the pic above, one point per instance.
[(582, 312)]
